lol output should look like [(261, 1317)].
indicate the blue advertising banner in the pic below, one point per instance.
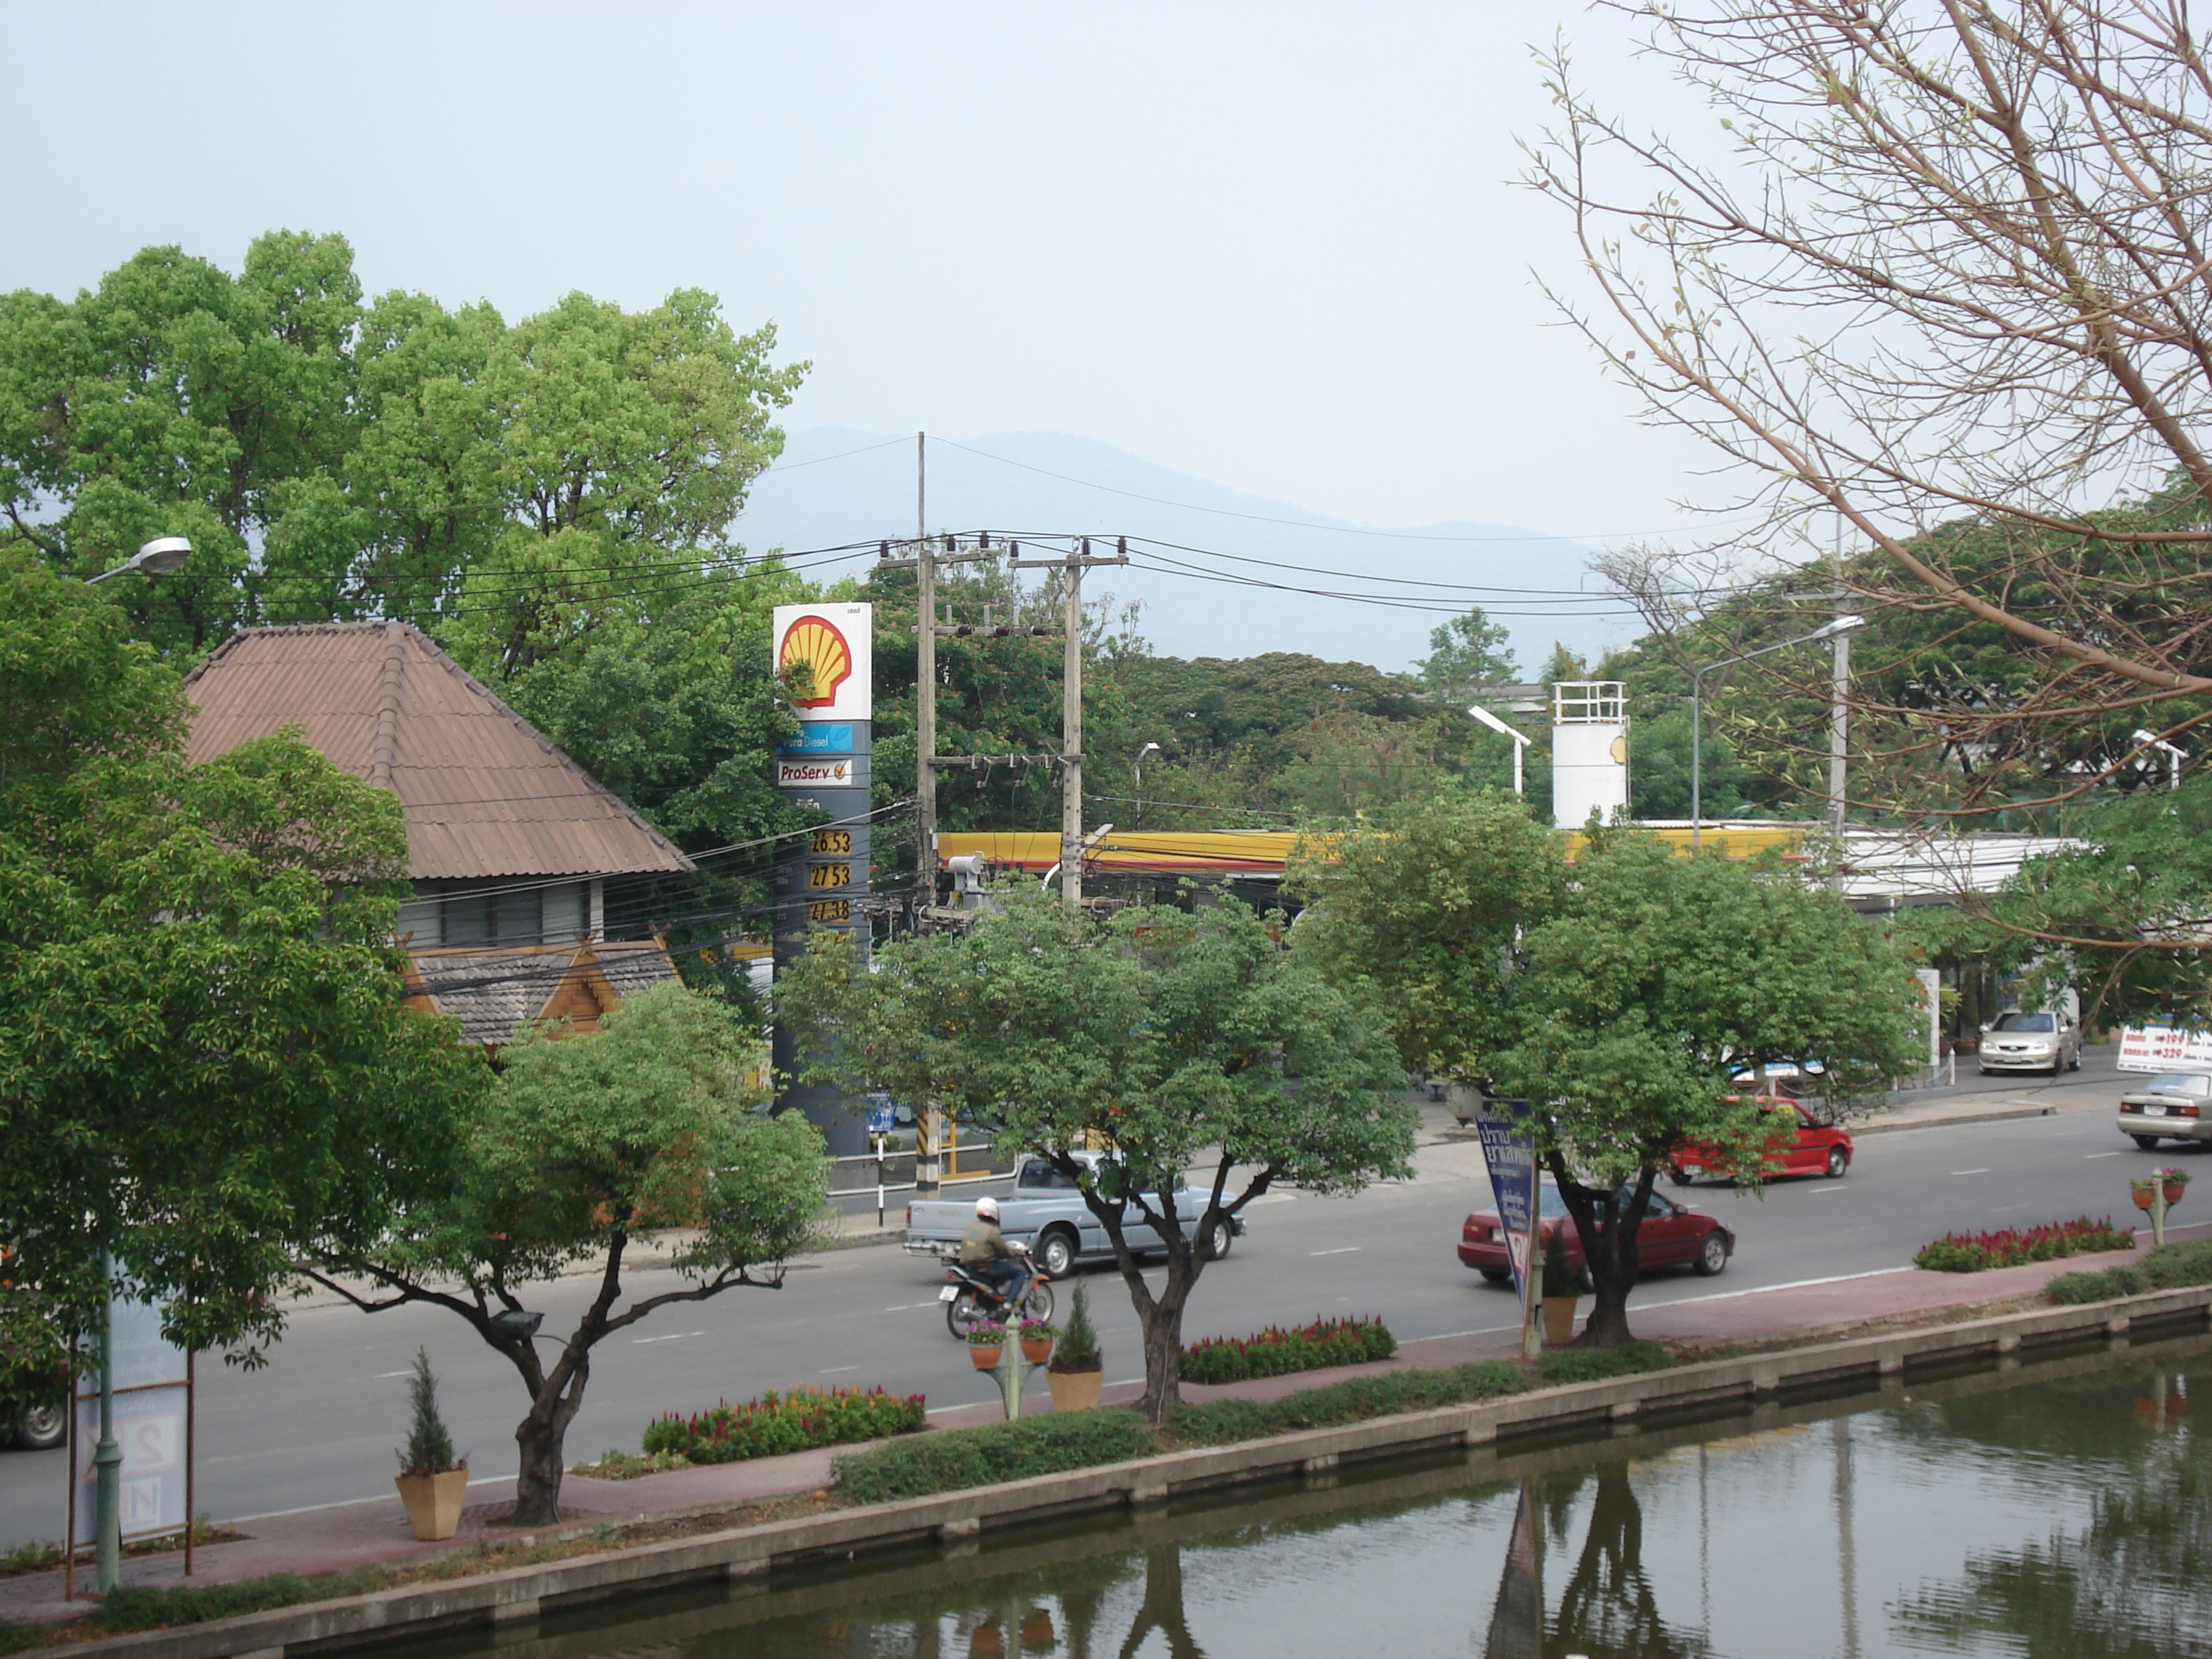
[(819, 737), (1509, 1146)]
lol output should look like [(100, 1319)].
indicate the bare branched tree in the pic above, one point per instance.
[(1948, 284)]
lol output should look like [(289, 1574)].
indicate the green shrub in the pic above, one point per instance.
[(953, 1459), (429, 1449), (150, 1607), (1562, 1365), (1277, 1352), (794, 1421), (1079, 1343), (1221, 1422), (2169, 1266), (19, 1638), (2010, 1247)]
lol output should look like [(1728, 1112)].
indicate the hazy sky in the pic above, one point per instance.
[(1274, 246)]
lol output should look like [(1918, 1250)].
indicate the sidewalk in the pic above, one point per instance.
[(349, 1535)]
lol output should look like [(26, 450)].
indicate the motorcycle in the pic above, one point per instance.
[(970, 1299)]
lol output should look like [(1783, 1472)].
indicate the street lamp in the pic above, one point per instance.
[(1520, 741), (2174, 755), (1137, 771), (157, 558), (1826, 631)]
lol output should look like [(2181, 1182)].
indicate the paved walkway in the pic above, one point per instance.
[(346, 1535)]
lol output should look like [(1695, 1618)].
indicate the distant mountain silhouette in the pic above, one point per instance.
[(820, 494)]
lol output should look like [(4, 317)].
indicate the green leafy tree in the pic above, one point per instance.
[(1467, 652), (204, 1063), (1190, 1044), (586, 1142), (1624, 996)]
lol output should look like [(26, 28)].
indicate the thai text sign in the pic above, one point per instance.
[(1507, 1130), (2165, 1049)]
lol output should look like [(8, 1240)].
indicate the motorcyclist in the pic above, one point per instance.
[(985, 1253)]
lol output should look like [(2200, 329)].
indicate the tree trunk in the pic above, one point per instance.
[(1163, 1326), (541, 1436)]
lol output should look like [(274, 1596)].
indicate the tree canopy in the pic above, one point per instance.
[(1188, 1043)]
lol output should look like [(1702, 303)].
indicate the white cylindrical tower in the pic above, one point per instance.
[(1590, 751)]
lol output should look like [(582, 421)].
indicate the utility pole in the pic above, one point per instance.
[(1078, 561), (1839, 681), (925, 691)]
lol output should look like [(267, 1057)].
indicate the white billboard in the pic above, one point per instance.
[(825, 653), (2165, 1049)]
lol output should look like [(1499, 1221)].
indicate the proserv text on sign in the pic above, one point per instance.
[(790, 773)]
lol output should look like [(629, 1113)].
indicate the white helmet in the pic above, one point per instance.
[(987, 1209)]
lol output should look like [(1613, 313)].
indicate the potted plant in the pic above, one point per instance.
[(986, 1342), (1037, 1339), (1077, 1367), (2144, 1190), (432, 1481), (2171, 1181), (1561, 1291)]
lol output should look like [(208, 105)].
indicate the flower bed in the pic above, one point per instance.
[(1276, 1351), (794, 1421), (1972, 1252)]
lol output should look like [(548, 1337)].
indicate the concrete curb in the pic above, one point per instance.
[(1959, 1117), (748, 1554)]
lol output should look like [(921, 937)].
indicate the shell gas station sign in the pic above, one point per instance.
[(824, 655)]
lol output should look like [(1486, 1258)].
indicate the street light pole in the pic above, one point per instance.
[(1520, 741), (1137, 771), (155, 558), (1831, 630)]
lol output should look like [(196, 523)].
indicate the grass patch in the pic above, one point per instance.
[(20, 1639), (45, 1556), (628, 1466), (952, 1460), (2168, 1267)]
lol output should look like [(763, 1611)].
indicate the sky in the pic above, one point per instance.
[(1276, 247)]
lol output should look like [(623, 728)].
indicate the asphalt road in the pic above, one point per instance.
[(317, 1425)]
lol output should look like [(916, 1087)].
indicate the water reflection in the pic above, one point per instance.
[(2069, 1515)]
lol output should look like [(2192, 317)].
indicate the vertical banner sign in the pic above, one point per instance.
[(1509, 1146), (152, 1386), (1931, 1009), (825, 655), (1516, 1618)]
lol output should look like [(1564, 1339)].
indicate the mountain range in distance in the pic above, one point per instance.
[(1208, 561)]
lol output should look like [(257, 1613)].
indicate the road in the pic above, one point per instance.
[(317, 1425)]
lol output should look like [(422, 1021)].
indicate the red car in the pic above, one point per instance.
[(1670, 1235), (1800, 1145)]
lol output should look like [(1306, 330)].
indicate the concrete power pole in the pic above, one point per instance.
[(925, 691), (1840, 683), (1078, 561)]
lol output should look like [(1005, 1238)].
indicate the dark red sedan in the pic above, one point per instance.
[(1670, 1235), (1800, 1144)]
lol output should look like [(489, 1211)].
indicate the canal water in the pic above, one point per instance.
[(2060, 1509)]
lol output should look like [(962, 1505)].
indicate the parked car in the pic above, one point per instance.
[(1670, 1235), (2175, 1105), (1046, 1212), (1802, 1144), (2020, 1042)]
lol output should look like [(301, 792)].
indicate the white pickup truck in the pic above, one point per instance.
[(1046, 1212)]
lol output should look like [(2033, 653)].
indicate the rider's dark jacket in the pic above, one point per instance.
[(982, 1242)]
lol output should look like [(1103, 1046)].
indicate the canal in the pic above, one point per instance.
[(2063, 1508)]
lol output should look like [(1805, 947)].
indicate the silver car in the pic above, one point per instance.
[(2173, 1105), (2022, 1041)]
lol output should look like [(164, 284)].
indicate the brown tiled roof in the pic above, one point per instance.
[(484, 793), (497, 991)]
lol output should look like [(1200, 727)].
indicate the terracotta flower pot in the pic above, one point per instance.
[(1559, 1320), (1074, 1391), (2174, 1190), (984, 1357), (433, 1502), (1036, 1352), (2143, 1196)]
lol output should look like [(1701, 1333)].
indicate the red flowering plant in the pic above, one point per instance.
[(2011, 1247), (1275, 1351), (794, 1419)]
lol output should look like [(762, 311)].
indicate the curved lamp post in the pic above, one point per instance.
[(1828, 631), (1137, 771), (157, 557)]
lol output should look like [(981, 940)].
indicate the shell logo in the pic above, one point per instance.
[(816, 659)]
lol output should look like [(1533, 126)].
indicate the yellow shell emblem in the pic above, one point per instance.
[(815, 661)]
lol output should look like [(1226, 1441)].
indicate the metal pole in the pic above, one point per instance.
[(925, 700), (106, 1455), (1517, 748), (1071, 726), (1838, 717), (1697, 757)]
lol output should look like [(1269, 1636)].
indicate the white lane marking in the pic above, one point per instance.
[(908, 1307), (1960, 1172), (1346, 1250), (1817, 1191), (834, 1370), (2086, 1157), (348, 1503), (381, 1376), (673, 1336)]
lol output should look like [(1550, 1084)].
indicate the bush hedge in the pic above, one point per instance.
[(794, 1421), (1276, 1351), (953, 1459), (2169, 1266), (1973, 1253)]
